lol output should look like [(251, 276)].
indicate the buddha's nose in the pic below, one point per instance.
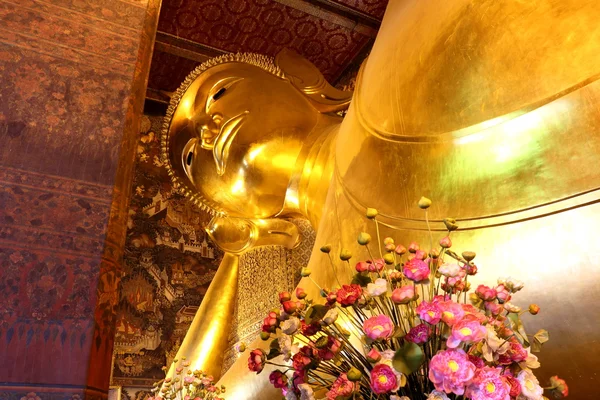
[(208, 129)]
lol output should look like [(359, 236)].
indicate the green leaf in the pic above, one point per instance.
[(273, 353), (315, 313), (409, 358), (274, 344), (518, 329), (399, 332), (361, 278), (539, 339)]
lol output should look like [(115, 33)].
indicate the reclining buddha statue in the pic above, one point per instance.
[(490, 108)]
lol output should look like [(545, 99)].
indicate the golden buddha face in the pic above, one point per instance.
[(235, 136)]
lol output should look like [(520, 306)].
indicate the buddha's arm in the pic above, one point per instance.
[(207, 338)]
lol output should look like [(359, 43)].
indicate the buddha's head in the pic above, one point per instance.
[(236, 127)]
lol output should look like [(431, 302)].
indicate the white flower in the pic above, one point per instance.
[(530, 386), (510, 307), (290, 395), (378, 288), (330, 317), (290, 326), (449, 270), (387, 354), (306, 392), (493, 345), (436, 395), (512, 284), (286, 346)]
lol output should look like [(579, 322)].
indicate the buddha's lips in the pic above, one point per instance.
[(224, 139)]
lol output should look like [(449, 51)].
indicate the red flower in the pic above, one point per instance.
[(300, 293), (347, 295), (515, 386), (256, 361), (305, 358), (309, 330), (485, 293), (559, 387), (278, 379), (284, 296), (290, 307), (270, 323), (418, 334)]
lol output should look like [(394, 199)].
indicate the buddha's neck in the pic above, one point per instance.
[(314, 167)]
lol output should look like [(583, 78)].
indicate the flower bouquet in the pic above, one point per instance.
[(407, 327), (187, 384)]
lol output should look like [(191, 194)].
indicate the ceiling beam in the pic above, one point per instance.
[(185, 48), (347, 12)]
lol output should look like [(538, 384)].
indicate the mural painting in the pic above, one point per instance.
[(168, 266)]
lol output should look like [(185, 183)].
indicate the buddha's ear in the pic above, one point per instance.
[(308, 79)]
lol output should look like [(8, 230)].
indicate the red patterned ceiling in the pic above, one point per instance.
[(375, 8), (330, 41)]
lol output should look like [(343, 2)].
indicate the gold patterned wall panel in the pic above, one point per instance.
[(264, 272)]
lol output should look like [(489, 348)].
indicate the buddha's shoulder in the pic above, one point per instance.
[(443, 66)]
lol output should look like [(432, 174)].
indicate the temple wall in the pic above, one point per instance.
[(73, 82), (168, 264)]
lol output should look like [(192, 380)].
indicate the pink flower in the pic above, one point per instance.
[(416, 270), (278, 379), (362, 266), (445, 242), (373, 355), (471, 269), (429, 312), (485, 293), (493, 307), (472, 311), (377, 265), (341, 388), (467, 330), (420, 254), (450, 270), (502, 294), (451, 370), (400, 249), (256, 361), (188, 379), (419, 334), (487, 384), (347, 295), (514, 353), (384, 379), (404, 294), (413, 247), (379, 327), (451, 312)]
